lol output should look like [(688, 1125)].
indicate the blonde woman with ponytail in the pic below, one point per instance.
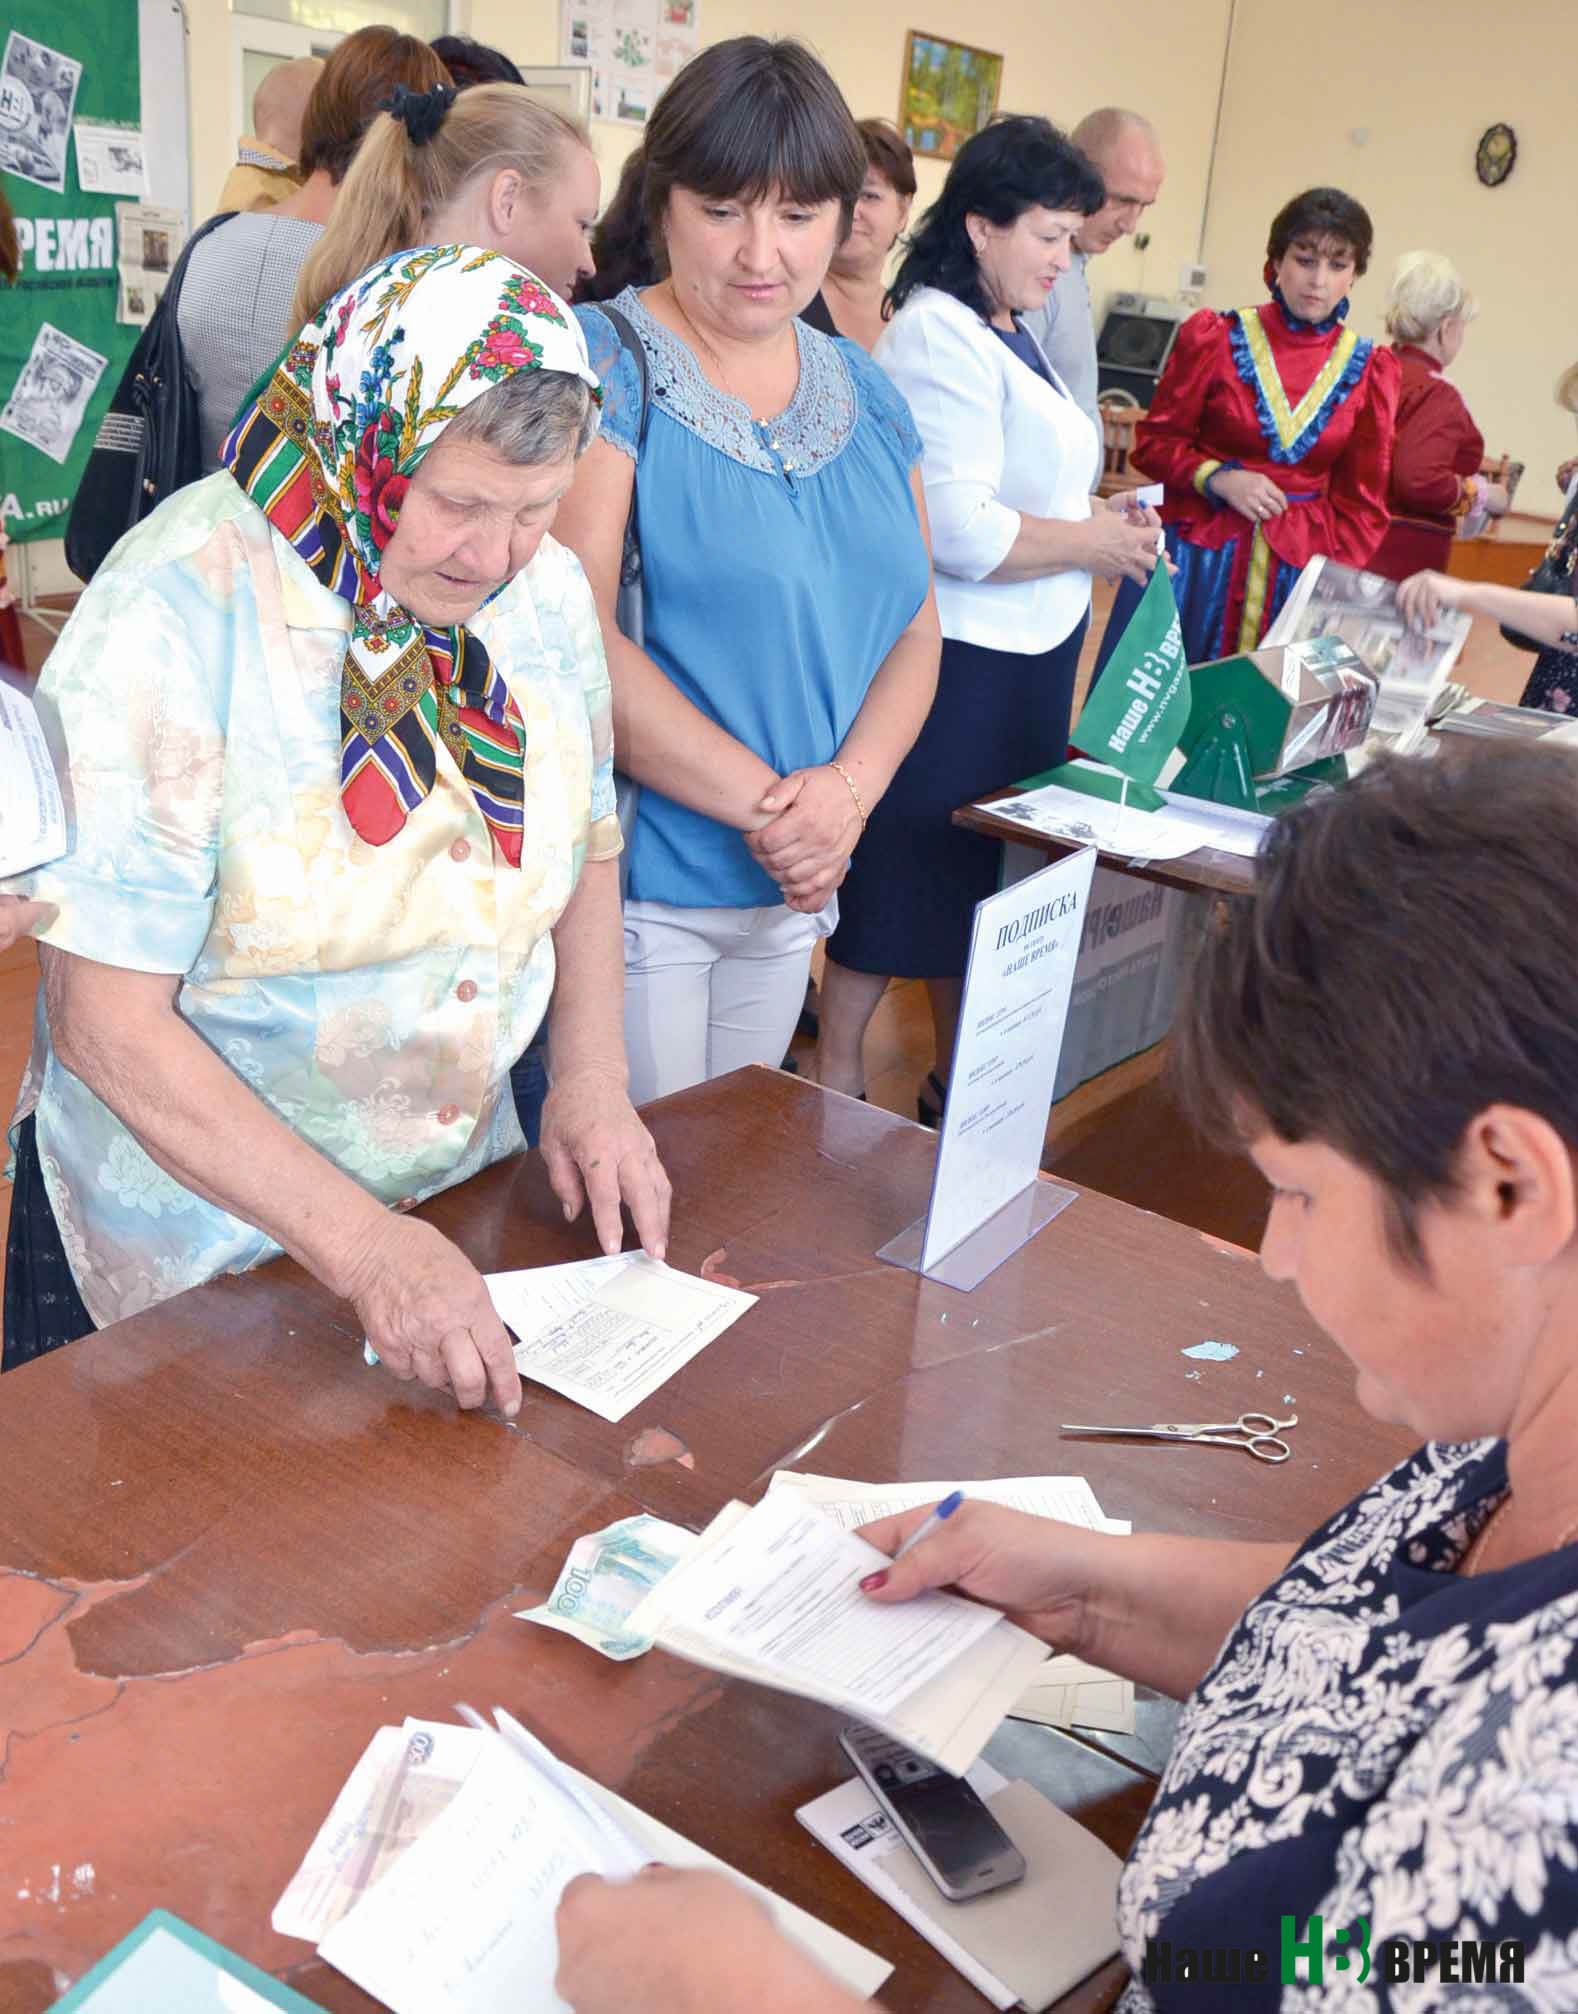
[(490, 167)]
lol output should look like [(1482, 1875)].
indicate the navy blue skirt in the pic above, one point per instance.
[(43, 1309), (907, 903)]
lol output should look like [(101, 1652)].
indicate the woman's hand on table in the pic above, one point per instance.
[(597, 1151), (18, 916), (1424, 597), (682, 1941), (1252, 496), (1036, 1570), (426, 1310), (815, 828), (1121, 545)]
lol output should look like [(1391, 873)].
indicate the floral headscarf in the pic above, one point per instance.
[(329, 450)]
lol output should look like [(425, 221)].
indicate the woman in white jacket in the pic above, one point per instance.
[(1009, 465)]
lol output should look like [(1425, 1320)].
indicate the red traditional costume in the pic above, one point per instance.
[(1437, 453), (1312, 406)]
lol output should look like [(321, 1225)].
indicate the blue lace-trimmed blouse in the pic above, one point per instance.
[(781, 561)]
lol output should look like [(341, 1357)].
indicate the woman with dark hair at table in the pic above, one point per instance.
[(1010, 463), (1271, 428), (333, 726), (1380, 1728), (790, 644)]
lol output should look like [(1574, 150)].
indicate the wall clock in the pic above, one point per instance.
[(1495, 155)]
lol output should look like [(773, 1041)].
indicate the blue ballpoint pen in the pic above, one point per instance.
[(927, 1526)]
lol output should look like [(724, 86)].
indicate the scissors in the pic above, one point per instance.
[(1258, 1434)]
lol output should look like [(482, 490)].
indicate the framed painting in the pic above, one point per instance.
[(567, 87), (948, 91)]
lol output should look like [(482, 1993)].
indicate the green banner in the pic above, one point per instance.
[(62, 352), (1140, 704)]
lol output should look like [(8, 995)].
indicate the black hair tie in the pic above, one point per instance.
[(420, 112)]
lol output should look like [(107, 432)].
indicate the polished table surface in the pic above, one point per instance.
[(231, 1551), (1208, 870)]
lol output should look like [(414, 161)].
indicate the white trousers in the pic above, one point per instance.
[(709, 990)]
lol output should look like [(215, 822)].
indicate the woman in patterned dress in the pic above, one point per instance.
[(333, 726), (1380, 1732)]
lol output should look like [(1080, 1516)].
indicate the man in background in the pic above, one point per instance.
[(1128, 156), (266, 172)]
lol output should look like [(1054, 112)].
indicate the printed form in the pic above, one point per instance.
[(772, 1594), (608, 1332)]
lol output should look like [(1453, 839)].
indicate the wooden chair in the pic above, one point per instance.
[(1119, 417)]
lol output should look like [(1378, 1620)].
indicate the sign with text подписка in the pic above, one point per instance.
[(1016, 993)]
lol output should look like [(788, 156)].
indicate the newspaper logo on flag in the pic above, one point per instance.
[(1139, 707)]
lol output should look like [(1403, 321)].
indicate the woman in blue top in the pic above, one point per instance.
[(790, 638)]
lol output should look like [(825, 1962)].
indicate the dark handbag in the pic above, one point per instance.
[(149, 443), (629, 609), (1554, 574)]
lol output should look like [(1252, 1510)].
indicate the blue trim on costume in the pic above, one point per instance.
[(1303, 441), (1334, 320)]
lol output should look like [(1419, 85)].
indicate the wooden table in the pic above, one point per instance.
[(1207, 871), (231, 1551)]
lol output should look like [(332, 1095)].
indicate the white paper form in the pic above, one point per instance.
[(32, 816), (463, 1923), (1065, 1691), (849, 1504), (781, 1593), (1184, 825), (608, 1332), (1093, 821)]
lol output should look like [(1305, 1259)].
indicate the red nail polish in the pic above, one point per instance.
[(873, 1581)]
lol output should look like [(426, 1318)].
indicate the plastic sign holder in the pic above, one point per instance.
[(988, 1195)]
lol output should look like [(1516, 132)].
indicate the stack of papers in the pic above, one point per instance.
[(608, 1332), (1065, 1692), (1474, 715), (32, 815), (1361, 608), (1078, 808), (772, 1594), (435, 1879)]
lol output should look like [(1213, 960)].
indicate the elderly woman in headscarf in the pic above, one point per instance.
[(334, 730)]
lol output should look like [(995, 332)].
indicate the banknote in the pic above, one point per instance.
[(607, 1573), (405, 1778)]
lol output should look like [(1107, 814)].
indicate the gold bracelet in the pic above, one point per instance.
[(854, 793)]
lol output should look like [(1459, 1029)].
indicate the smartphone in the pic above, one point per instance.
[(938, 1816)]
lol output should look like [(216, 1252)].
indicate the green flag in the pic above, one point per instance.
[(1140, 705)]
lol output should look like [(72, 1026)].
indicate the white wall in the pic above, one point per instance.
[(1164, 62), (1423, 79)]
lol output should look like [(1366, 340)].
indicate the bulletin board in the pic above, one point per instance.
[(77, 140)]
